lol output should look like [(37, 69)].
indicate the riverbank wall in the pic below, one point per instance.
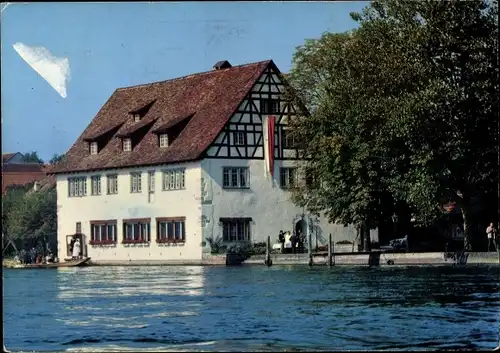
[(382, 259), (339, 259)]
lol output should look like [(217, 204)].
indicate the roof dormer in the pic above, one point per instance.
[(139, 113), (98, 140), (169, 131)]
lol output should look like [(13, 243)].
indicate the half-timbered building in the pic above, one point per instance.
[(165, 166)]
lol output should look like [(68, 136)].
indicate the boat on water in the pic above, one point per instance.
[(68, 263)]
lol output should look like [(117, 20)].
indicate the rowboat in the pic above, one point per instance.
[(67, 263)]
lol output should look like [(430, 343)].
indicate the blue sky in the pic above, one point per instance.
[(111, 45)]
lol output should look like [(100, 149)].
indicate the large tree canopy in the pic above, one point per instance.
[(403, 108), (29, 217)]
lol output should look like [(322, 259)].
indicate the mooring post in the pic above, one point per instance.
[(268, 260), (309, 248), (330, 260)]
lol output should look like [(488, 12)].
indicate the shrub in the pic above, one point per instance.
[(244, 249), (344, 242), (216, 245)]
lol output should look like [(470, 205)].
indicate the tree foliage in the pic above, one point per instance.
[(401, 109), (28, 217), (56, 158), (32, 157)]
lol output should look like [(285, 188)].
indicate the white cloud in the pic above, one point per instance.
[(54, 70)]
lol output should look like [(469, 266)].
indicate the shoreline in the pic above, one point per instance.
[(370, 259)]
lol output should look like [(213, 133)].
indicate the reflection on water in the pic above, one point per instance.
[(251, 308), (132, 281)]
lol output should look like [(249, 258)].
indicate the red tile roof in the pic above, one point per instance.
[(21, 174), (212, 96)]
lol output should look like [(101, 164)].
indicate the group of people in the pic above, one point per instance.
[(492, 235), (33, 256), (297, 241)]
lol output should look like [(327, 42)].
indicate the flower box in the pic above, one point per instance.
[(170, 241), (102, 242), (135, 241)]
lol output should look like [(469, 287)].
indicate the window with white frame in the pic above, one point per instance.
[(151, 181), (102, 232), (174, 179), (135, 182), (235, 229), (288, 178), (95, 184), (136, 231), (127, 144), (163, 140), (235, 178), (112, 183), (239, 138), (77, 186), (93, 148), (171, 230)]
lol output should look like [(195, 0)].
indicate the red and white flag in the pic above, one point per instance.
[(268, 130)]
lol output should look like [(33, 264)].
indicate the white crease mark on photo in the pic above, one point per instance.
[(53, 69)]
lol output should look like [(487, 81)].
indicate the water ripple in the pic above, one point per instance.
[(154, 309)]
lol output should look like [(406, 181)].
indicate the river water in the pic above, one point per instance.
[(251, 308)]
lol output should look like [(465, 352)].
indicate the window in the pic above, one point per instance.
[(235, 178), (102, 232), (135, 182), (137, 117), (235, 229), (269, 106), (77, 186), (93, 148), (239, 138), (288, 177), (113, 184), (174, 179), (78, 228), (170, 230), (95, 185), (127, 144), (287, 139), (151, 181), (163, 140), (136, 231)]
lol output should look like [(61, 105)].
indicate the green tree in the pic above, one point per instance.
[(402, 109), (56, 158), (32, 216), (32, 157), (10, 200)]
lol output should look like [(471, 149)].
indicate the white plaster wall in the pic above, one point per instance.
[(269, 206), (175, 203)]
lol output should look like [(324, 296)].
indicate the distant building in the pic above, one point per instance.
[(12, 158), (16, 172), (165, 166)]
